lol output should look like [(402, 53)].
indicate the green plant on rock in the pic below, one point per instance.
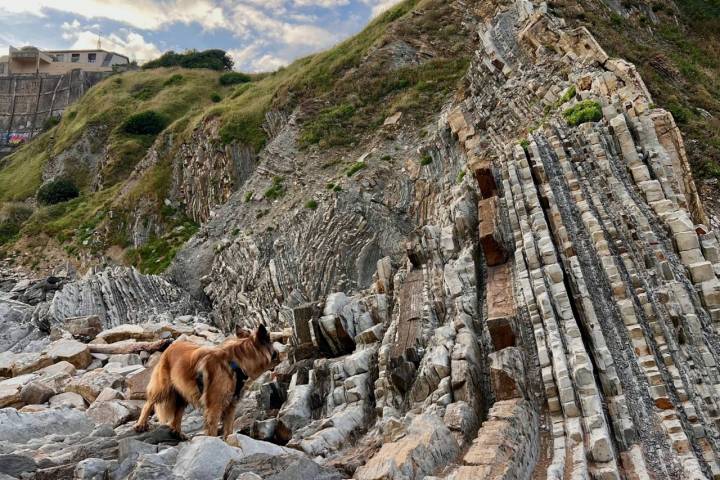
[(57, 191), (248, 196), (276, 190), (568, 95), (460, 176), (426, 159), (354, 168), (311, 205), (583, 112)]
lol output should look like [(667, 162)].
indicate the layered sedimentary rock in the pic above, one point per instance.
[(537, 298), (569, 277)]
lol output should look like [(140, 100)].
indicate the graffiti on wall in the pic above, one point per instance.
[(16, 138)]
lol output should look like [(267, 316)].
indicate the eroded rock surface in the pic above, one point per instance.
[(537, 299)]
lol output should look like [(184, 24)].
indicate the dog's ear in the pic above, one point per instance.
[(241, 332), (261, 335)]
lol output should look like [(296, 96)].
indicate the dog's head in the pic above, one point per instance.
[(254, 350)]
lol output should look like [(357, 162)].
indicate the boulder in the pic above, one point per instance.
[(72, 351), (83, 328), (91, 469), (22, 427), (113, 412), (92, 383), (67, 400), (125, 332), (136, 383), (30, 362), (36, 392), (16, 465), (279, 467), (428, 445), (205, 458), (109, 394)]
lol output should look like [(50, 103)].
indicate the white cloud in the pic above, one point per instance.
[(321, 3), (125, 42), (379, 6), (143, 14)]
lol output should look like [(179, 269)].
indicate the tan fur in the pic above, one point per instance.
[(173, 384)]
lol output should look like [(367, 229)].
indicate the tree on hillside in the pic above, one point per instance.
[(214, 59)]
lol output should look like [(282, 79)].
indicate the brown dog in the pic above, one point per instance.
[(211, 377)]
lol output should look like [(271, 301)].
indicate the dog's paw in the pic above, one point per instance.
[(141, 427), (179, 435)]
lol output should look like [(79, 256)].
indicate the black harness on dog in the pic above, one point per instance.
[(240, 378)]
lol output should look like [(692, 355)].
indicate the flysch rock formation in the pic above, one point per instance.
[(551, 313)]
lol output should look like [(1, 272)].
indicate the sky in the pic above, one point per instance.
[(260, 35)]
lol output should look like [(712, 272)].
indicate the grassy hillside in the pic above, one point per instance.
[(340, 96), (675, 46)]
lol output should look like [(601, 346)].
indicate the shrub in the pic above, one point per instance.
[(214, 59), (426, 159), (525, 144), (679, 113), (57, 191), (583, 112), (248, 196), (568, 95), (329, 128), (234, 78), (354, 168), (215, 97), (8, 231), (311, 205), (145, 123), (276, 190), (460, 176), (51, 122)]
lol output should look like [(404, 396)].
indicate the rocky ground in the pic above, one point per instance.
[(506, 294)]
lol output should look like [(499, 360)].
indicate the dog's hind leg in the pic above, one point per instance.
[(158, 391), (142, 424), (176, 423)]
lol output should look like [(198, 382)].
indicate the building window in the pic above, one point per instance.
[(92, 57), (75, 58), (2, 68)]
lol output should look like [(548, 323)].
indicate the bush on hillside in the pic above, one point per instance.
[(583, 112), (214, 59), (233, 78), (145, 123), (57, 191)]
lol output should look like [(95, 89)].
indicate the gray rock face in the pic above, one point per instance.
[(16, 465), (120, 295), (21, 427), (279, 467), (205, 458)]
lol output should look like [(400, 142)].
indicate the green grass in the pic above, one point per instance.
[(311, 205), (156, 255), (354, 168), (583, 112), (276, 190), (21, 172), (676, 57), (460, 176)]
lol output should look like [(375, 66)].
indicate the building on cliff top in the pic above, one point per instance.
[(33, 61)]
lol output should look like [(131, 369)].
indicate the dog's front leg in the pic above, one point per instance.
[(228, 420), (212, 417)]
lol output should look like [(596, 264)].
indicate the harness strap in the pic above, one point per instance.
[(240, 378)]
